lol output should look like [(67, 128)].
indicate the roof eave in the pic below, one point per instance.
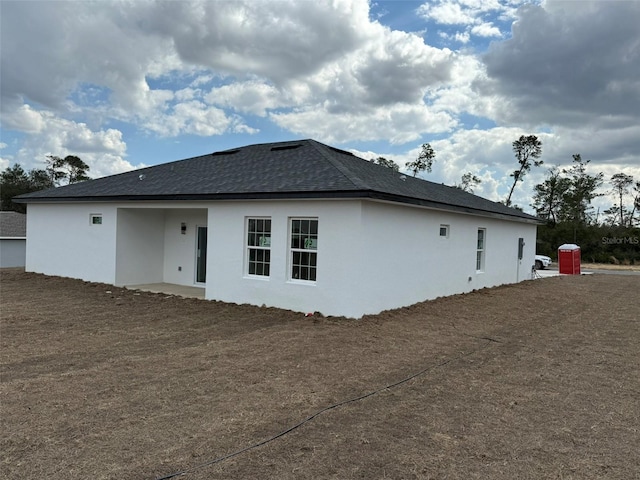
[(456, 208), (307, 195)]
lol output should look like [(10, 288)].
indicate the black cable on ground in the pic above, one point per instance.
[(326, 409)]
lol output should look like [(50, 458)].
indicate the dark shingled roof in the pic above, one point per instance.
[(13, 225), (284, 170)]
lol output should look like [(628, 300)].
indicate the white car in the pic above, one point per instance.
[(542, 262)]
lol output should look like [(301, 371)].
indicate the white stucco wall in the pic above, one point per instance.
[(12, 252), (140, 246), (372, 256), (137, 242), (408, 261), (179, 253), (338, 234), (62, 241)]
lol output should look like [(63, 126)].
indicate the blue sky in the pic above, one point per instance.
[(131, 84)]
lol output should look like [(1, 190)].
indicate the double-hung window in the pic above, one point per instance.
[(258, 246), (480, 248), (304, 249)]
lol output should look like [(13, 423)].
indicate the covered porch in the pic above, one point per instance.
[(162, 249), (170, 289)]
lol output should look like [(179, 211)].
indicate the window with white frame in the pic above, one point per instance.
[(480, 248), (95, 219), (258, 246), (304, 246), (444, 231)]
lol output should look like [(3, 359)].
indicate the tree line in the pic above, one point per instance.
[(564, 200), (58, 171)]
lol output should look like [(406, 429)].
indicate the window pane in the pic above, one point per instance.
[(259, 241), (304, 243), (479, 261)]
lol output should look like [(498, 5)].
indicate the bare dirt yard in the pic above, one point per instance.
[(535, 380), (607, 266)]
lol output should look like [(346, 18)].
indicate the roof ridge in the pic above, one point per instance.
[(343, 169)]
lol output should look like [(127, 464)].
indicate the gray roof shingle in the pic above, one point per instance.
[(13, 225), (294, 169)]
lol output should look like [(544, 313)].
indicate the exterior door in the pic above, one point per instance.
[(201, 254)]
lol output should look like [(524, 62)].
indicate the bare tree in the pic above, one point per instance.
[(423, 162), (621, 183), (468, 182), (526, 148), (636, 203)]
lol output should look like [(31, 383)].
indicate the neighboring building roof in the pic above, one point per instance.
[(284, 170), (13, 225)]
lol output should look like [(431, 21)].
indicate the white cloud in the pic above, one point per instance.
[(249, 36), (280, 57), (568, 63), (324, 69), (467, 12), (43, 62), (4, 162), (448, 13), (399, 125), (252, 97), (486, 29), (102, 150), (462, 37), (24, 119)]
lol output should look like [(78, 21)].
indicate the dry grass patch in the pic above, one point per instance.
[(607, 266), (535, 380)]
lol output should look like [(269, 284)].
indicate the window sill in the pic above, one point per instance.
[(263, 278), (309, 283)]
